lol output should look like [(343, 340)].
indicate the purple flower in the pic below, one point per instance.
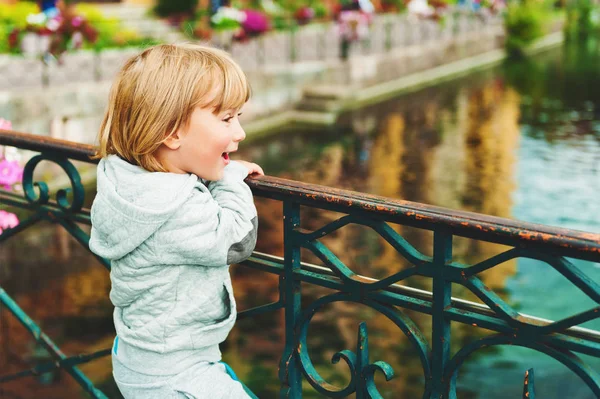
[(255, 22), (8, 221), (10, 173)]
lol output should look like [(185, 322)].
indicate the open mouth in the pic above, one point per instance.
[(225, 157)]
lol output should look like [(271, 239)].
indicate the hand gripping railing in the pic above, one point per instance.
[(562, 340)]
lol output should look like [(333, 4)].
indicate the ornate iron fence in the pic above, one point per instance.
[(562, 340)]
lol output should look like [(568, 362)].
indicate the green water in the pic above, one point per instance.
[(558, 183), (521, 141)]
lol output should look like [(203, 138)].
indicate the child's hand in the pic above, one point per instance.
[(253, 169)]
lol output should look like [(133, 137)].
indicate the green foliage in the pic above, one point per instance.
[(282, 23), (393, 5), (321, 10), (237, 4), (13, 16), (582, 17), (226, 24), (104, 25), (111, 34), (166, 8), (16, 14), (524, 22), (291, 6), (4, 32)]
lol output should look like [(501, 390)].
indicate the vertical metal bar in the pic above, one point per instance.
[(261, 51), (362, 361), (344, 48), (97, 68), (293, 54), (4, 338), (528, 387), (321, 43), (366, 45), (388, 34), (45, 74), (289, 371), (442, 290)]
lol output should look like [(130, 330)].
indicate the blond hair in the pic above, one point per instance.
[(156, 92)]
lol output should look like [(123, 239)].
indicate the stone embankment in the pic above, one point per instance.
[(296, 76)]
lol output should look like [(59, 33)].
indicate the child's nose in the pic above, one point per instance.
[(239, 135)]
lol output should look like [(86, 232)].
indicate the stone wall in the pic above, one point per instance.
[(352, 79), (73, 95), (318, 43)]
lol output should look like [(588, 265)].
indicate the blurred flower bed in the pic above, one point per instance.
[(11, 174), (26, 29), (243, 19)]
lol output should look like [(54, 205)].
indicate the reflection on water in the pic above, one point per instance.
[(522, 141), (453, 146)]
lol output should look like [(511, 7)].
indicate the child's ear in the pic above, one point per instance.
[(173, 141)]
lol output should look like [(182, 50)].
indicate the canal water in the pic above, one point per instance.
[(520, 141)]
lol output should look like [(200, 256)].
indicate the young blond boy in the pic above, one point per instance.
[(171, 213)]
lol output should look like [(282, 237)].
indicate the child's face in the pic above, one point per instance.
[(204, 145)]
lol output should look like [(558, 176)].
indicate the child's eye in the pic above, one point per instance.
[(228, 118)]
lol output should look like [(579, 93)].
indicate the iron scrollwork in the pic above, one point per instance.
[(356, 289), (38, 192), (361, 370)]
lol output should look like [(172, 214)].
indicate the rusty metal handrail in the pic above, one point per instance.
[(467, 224)]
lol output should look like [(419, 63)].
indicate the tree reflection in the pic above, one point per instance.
[(466, 148)]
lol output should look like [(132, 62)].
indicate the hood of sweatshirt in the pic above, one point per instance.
[(132, 204)]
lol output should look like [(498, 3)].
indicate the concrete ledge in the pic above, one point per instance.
[(547, 42), (344, 99), (447, 72)]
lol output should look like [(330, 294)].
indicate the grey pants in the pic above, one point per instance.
[(202, 381)]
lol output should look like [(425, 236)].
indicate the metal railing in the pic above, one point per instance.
[(562, 340)]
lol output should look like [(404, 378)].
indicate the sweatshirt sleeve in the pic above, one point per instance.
[(215, 227)]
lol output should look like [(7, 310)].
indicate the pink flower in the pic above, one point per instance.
[(77, 39), (76, 21), (353, 25), (255, 22), (4, 124), (10, 173), (8, 221), (304, 14), (53, 24)]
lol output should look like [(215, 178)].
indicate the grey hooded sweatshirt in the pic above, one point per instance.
[(170, 239)]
